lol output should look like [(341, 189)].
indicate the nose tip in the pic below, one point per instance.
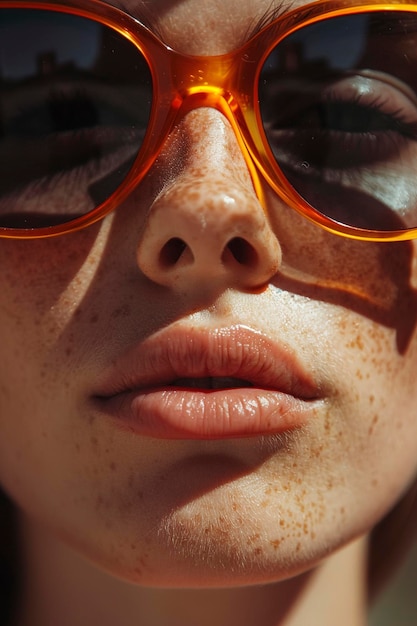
[(199, 235)]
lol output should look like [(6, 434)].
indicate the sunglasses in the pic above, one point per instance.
[(322, 101)]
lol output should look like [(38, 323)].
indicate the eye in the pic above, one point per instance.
[(343, 126), (347, 141), (349, 124), (75, 106)]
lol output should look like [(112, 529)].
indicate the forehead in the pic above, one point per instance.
[(203, 27)]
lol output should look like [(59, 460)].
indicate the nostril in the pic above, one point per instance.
[(171, 252), (242, 251)]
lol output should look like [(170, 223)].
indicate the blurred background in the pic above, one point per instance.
[(397, 606)]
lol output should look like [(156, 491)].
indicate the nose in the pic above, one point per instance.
[(207, 227)]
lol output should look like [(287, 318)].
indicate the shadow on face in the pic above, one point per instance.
[(371, 279)]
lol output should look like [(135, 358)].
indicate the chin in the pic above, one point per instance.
[(192, 548)]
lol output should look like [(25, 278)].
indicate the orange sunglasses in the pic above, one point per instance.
[(323, 103)]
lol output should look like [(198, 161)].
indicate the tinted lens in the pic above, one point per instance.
[(75, 100), (339, 107)]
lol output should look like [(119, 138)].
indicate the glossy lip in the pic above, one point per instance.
[(193, 383)]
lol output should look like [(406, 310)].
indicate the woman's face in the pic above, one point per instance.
[(119, 430)]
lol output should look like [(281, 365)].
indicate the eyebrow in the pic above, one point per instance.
[(268, 17), (144, 13)]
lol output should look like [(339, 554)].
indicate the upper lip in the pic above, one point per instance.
[(180, 353)]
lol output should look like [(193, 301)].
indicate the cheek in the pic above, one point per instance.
[(41, 287), (369, 439), (370, 278), (43, 284)]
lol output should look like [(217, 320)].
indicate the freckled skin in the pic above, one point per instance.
[(256, 510)]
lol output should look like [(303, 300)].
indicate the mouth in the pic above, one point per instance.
[(212, 382), (189, 383)]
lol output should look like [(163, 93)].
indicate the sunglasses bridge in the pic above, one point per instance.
[(211, 82)]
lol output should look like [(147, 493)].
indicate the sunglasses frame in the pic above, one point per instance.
[(227, 83)]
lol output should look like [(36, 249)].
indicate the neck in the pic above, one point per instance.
[(62, 588)]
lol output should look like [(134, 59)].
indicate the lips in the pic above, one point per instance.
[(191, 383)]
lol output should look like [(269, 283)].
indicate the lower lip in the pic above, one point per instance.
[(179, 413)]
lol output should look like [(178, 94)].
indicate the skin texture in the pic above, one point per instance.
[(206, 513)]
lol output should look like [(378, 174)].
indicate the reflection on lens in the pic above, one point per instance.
[(75, 101), (341, 118)]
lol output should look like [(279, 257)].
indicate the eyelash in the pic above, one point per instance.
[(380, 106), (334, 161), (270, 15), (396, 119)]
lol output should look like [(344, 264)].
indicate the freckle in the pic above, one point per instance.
[(112, 466), (372, 426), (264, 503), (342, 510), (298, 547), (94, 441), (68, 351), (275, 543), (282, 522), (257, 551), (374, 482), (94, 318), (371, 399), (122, 311)]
